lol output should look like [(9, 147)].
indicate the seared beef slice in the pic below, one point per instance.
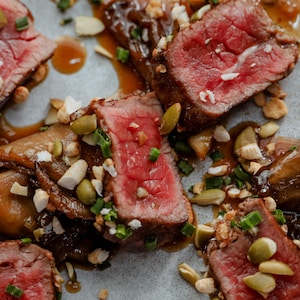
[(230, 265), (220, 61), (21, 52), (143, 190), (29, 268)]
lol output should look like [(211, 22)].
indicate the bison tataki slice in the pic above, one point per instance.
[(230, 265), (21, 51), (220, 61), (28, 269), (144, 188)]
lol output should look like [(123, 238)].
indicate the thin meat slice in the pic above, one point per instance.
[(230, 265), (143, 190), (220, 61), (21, 52), (29, 268)]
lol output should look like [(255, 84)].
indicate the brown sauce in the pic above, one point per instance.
[(70, 55), (129, 80), (73, 286)]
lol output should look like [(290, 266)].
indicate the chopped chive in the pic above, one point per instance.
[(44, 128), (123, 232), (278, 215), (22, 23), (96, 1), (188, 229), (250, 220), (122, 54), (63, 4), (221, 213), (154, 154), (111, 216), (103, 140), (183, 147), (185, 167), (58, 295), (293, 148), (66, 21), (216, 155), (136, 33), (151, 243), (26, 241), (14, 291), (98, 205), (215, 182), (241, 174)]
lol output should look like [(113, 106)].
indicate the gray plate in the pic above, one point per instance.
[(147, 276)]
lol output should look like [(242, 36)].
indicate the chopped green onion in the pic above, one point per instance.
[(58, 295), (185, 167), (103, 140), (154, 154), (214, 2), (241, 174), (293, 148), (44, 128), (111, 216), (63, 4), (215, 182), (250, 220), (26, 241), (216, 155), (151, 243), (98, 205), (96, 1), (136, 33), (14, 291), (221, 213), (122, 54), (183, 147), (188, 229), (278, 215), (66, 21), (22, 23), (123, 232), (108, 204)]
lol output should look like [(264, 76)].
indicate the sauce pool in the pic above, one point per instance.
[(70, 55)]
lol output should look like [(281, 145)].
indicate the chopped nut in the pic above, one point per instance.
[(154, 9), (88, 26), (40, 74), (270, 203), (73, 175), (20, 94), (51, 117), (218, 170), (102, 51), (249, 151), (271, 147), (234, 192), (221, 134), (40, 199), (141, 193), (142, 137), (56, 225), (276, 91), (254, 167), (268, 129), (72, 149), (98, 172), (275, 109), (259, 99), (161, 69), (198, 187), (98, 256), (188, 273), (103, 294), (205, 285), (19, 189), (44, 156)]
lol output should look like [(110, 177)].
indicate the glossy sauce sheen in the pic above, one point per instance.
[(69, 56)]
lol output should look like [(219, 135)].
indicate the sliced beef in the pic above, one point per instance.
[(29, 268), (21, 52), (210, 66), (133, 125), (230, 264)]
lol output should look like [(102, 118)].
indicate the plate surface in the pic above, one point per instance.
[(147, 276)]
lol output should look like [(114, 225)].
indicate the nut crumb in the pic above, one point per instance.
[(275, 109), (103, 294)]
